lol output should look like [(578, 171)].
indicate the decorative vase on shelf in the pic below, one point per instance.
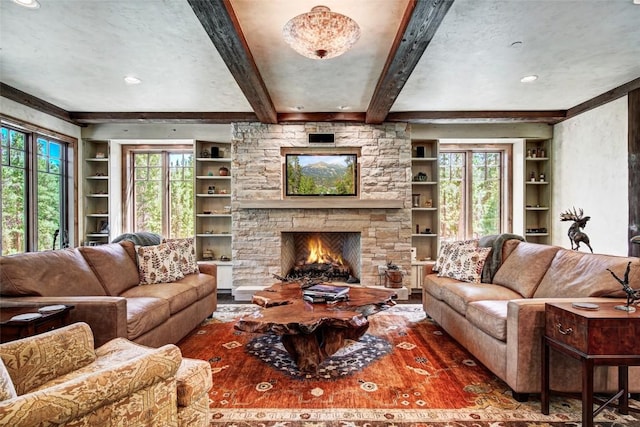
[(223, 171)]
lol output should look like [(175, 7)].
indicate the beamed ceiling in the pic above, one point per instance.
[(218, 61)]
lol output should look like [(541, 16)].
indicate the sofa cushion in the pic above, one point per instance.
[(186, 252), (36, 360), (113, 266), (464, 263), (458, 295), (524, 268), (581, 274), (63, 272), (447, 247), (178, 295), (194, 380), (158, 264), (7, 390), (204, 284), (489, 316), (144, 314), (433, 285)]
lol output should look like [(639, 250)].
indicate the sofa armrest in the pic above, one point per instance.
[(208, 268), (107, 316), (525, 328), (62, 403)]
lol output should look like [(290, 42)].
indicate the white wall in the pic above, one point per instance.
[(590, 171)]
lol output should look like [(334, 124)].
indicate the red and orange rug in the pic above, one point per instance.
[(404, 372)]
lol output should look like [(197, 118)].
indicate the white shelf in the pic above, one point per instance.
[(214, 159), (424, 159), (212, 215), (97, 178), (424, 209), (225, 177), (424, 183), (213, 195), (424, 235), (96, 159), (98, 195), (213, 235)]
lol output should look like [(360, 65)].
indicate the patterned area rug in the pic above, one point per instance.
[(405, 371)]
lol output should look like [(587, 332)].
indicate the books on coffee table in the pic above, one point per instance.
[(324, 292)]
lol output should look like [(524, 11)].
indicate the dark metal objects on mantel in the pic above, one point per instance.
[(576, 235)]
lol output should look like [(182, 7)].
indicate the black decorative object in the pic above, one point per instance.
[(576, 235), (632, 295)]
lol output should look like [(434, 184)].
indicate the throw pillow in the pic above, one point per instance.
[(447, 247), (158, 264), (187, 252), (465, 264)]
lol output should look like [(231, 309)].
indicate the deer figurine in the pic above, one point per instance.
[(576, 235)]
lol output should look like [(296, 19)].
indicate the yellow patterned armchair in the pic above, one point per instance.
[(58, 379)]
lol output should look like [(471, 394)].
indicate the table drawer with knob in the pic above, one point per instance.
[(598, 332)]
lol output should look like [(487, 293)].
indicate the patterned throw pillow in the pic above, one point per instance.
[(447, 247), (158, 264), (187, 252), (465, 264)]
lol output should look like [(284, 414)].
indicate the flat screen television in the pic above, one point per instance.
[(321, 174)]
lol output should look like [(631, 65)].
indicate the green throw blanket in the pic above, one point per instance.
[(492, 264)]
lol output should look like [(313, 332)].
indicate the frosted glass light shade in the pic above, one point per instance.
[(321, 34)]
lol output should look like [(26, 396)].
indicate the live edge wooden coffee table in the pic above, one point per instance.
[(313, 332)]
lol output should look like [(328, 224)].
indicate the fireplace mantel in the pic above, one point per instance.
[(321, 203)]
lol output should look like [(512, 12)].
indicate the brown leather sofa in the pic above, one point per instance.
[(502, 323), (102, 282)]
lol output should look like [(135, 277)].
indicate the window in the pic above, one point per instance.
[(35, 212), (474, 197), (161, 190)]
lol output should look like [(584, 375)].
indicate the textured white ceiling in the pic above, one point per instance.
[(75, 53)]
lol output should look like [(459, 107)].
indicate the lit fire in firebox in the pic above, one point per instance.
[(318, 254)]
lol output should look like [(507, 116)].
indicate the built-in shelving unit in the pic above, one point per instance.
[(537, 191), (424, 200), (96, 192), (213, 207)]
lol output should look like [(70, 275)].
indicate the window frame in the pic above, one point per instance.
[(506, 181), (128, 180), (69, 198)]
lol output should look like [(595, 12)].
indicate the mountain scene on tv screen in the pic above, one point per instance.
[(321, 175)]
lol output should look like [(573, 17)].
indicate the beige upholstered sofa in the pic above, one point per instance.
[(103, 283), (57, 378), (502, 323)]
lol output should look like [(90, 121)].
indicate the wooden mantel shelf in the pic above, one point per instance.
[(322, 203)]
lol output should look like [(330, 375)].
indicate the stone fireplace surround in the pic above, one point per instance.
[(381, 213)]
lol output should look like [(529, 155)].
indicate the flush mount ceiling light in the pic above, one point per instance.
[(132, 80), (529, 79), (321, 34), (31, 4)]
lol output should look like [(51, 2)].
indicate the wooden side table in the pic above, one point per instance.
[(11, 330), (603, 337)]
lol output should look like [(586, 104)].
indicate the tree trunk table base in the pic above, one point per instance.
[(313, 332)]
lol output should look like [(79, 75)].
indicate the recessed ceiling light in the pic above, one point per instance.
[(297, 108), (529, 79), (31, 4), (517, 43), (132, 80), (343, 107)]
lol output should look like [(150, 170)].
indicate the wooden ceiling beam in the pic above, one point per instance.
[(445, 117), (31, 101), (604, 98), (162, 117), (419, 25), (220, 22)]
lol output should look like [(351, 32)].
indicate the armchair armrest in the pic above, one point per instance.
[(85, 394), (107, 316)]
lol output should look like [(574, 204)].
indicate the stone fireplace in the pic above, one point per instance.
[(334, 254), (264, 220)]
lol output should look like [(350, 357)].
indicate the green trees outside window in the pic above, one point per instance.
[(163, 192), (34, 192), (472, 192)]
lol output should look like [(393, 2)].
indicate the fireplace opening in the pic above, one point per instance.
[(334, 256)]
